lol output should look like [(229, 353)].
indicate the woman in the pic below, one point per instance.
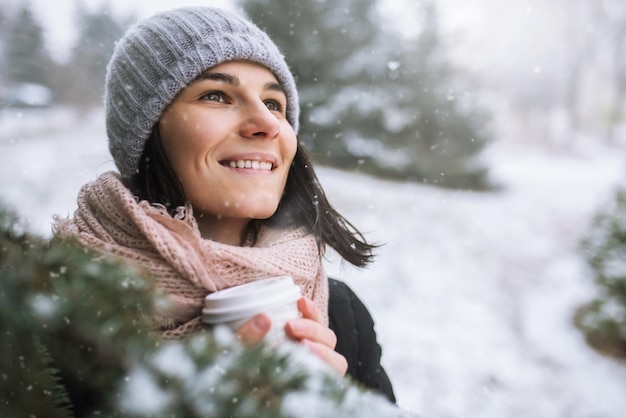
[(214, 189)]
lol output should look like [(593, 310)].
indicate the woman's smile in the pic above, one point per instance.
[(251, 163)]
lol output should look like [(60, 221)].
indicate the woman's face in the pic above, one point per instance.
[(227, 138)]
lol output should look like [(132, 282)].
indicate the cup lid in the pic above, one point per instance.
[(249, 299)]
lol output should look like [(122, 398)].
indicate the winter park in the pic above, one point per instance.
[(476, 144)]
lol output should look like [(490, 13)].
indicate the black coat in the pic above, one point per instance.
[(356, 339)]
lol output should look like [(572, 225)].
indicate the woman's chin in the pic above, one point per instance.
[(254, 212), (263, 214)]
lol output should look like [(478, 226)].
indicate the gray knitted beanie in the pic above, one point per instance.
[(158, 57)]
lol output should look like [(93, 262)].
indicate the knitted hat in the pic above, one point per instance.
[(158, 57)]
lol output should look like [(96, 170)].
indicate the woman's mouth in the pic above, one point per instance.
[(248, 164)]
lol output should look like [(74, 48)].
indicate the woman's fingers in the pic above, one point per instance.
[(308, 309), (319, 339), (311, 332), (307, 329), (253, 331), (328, 355)]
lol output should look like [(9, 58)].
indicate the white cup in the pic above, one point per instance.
[(276, 297)]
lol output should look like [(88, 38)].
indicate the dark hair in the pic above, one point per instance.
[(303, 203), (155, 179)]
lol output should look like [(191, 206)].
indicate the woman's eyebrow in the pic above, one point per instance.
[(223, 77), (234, 81), (274, 86)]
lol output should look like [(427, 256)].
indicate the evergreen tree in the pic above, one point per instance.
[(603, 320), (25, 50), (374, 100), (97, 33), (443, 129), (77, 342)]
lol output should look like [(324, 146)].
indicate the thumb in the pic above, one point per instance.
[(253, 331)]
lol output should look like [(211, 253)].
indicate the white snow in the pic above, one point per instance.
[(472, 293), (141, 394), (173, 361)]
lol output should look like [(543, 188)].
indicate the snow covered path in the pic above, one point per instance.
[(472, 293)]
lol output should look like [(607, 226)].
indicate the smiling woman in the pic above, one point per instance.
[(227, 138), (214, 189)]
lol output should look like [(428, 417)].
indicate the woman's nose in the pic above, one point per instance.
[(259, 122)]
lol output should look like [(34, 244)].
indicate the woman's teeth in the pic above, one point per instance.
[(254, 165)]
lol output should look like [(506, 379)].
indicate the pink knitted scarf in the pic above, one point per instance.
[(186, 266)]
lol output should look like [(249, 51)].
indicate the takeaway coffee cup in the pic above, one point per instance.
[(276, 297)]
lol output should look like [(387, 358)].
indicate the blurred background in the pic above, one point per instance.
[(408, 90), (484, 142)]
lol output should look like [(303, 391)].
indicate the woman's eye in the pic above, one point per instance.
[(274, 105), (214, 96)]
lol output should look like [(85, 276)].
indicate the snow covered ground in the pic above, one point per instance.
[(472, 293)]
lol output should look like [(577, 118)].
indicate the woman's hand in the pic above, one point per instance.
[(311, 332), (308, 330)]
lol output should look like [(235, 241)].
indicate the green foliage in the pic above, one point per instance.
[(64, 309), (373, 100), (604, 320), (28, 379), (78, 342)]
